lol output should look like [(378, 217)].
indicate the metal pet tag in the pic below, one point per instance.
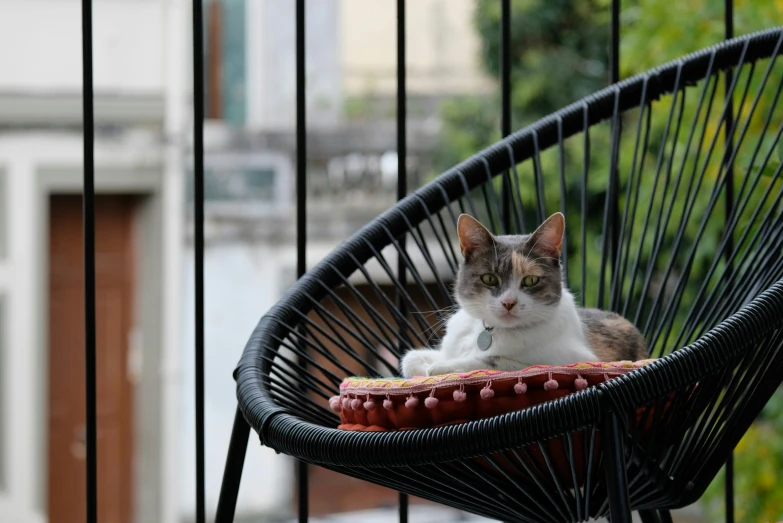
[(485, 339)]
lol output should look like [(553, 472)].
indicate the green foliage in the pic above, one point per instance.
[(559, 53), (649, 39), (558, 43), (758, 460), (471, 124)]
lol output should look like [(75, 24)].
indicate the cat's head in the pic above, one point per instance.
[(510, 281)]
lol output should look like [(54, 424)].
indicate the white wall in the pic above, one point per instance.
[(351, 50), (442, 53), (271, 63), (241, 281), (41, 43), (20, 376)]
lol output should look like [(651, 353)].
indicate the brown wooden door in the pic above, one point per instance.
[(114, 306)]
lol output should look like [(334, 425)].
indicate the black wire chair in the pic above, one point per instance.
[(671, 186)]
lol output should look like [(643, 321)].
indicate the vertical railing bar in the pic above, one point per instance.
[(402, 185), (198, 247), (728, 22), (505, 95), (614, 184), (88, 224), (614, 57), (301, 144), (302, 477)]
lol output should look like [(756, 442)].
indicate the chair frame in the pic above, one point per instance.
[(755, 326)]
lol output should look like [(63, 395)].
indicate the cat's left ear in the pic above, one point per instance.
[(548, 238)]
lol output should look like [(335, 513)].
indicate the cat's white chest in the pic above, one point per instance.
[(558, 341)]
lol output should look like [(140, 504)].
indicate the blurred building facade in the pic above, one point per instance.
[(142, 56)]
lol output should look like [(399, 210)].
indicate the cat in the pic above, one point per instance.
[(515, 310)]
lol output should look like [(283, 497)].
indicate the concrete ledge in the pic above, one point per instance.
[(65, 109)]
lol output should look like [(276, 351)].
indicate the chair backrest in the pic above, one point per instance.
[(671, 186)]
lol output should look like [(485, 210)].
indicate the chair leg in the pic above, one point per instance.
[(232, 475), (614, 465), (649, 516), (655, 516)]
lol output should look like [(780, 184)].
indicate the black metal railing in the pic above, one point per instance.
[(198, 248), (402, 185), (88, 217), (302, 475), (240, 432)]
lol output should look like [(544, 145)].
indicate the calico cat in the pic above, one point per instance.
[(515, 310)]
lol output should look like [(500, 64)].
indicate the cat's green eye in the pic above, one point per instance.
[(489, 279), (529, 281)]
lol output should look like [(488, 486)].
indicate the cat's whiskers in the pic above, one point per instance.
[(533, 246), (489, 262), (435, 328), (545, 258), (447, 308), (446, 312), (533, 314)]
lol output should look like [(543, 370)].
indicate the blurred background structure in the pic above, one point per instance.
[(144, 256)]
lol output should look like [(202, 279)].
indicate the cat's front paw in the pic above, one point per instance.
[(416, 362), (440, 367)]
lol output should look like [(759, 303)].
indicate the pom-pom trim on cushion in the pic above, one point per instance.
[(384, 386), (405, 400)]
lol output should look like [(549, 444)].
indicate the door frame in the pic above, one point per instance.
[(148, 437)]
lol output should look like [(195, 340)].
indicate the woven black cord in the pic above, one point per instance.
[(713, 313)]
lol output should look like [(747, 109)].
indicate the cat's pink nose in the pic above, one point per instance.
[(509, 303)]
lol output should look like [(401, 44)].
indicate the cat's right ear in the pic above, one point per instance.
[(472, 235)]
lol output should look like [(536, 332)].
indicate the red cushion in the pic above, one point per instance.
[(428, 401)]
